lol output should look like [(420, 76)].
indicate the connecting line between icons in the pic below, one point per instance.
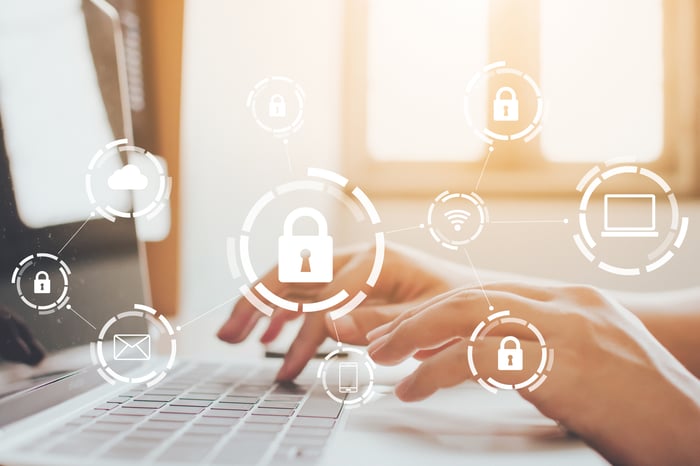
[(92, 214), (337, 335), (483, 169), (478, 279), (212, 309), (70, 308), (285, 143), (564, 221)]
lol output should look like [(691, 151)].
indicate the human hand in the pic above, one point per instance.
[(408, 278), (16, 342), (612, 383)]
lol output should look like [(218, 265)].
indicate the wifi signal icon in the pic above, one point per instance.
[(457, 218)]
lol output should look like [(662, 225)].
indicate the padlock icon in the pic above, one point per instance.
[(305, 259), (42, 283), (505, 109), (510, 359), (277, 107)]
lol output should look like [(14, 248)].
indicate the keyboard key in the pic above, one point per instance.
[(313, 422), (199, 396), (239, 399), (312, 431), (144, 404), (173, 417), (186, 454), (279, 404), (257, 427), (275, 397), (216, 421), (207, 430), (107, 427), (119, 399), (114, 419), (320, 405), (162, 398), (161, 426), (124, 411), (182, 409), (225, 413), (181, 402), (233, 406), (268, 419), (273, 412)]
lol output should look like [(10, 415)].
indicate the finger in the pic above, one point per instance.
[(35, 351), (241, 322), (307, 341), (455, 316), (410, 312), (277, 322), (446, 369), (422, 355), (451, 367), (353, 327)]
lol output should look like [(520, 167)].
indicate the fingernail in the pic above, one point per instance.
[(377, 344), (347, 329)]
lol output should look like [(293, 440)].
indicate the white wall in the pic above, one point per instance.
[(228, 162)]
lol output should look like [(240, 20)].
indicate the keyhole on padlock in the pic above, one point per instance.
[(305, 260), (510, 359), (41, 286), (505, 110)]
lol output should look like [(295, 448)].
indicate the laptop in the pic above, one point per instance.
[(63, 411), (618, 223)]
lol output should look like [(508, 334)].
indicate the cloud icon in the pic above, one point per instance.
[(127, 178)]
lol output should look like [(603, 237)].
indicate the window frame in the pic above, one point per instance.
[(678, 162)]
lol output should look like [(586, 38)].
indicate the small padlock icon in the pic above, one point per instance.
[(505, 109), (277, 107), (42, 283), (305, 259), (510, 359)]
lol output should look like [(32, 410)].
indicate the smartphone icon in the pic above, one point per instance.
[(348, 377)]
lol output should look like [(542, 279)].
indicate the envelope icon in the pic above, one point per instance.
[(132, 347)]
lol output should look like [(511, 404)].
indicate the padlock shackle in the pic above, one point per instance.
[(296, 214), (44, 275), (277, 99), (511, 339), (499, 93)]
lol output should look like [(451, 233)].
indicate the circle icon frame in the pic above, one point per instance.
[(149, 211), (57, 304), (584, 239), (322, 375), (493, 385), (289, 129), (342, 298), (153, 377), (447, 196), (489, 136)]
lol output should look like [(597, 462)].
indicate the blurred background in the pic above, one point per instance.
[(384, 83)]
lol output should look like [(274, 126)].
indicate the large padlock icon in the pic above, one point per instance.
[(510, 359), (505, 109), (277, 107), (305, 259), (42, 283)]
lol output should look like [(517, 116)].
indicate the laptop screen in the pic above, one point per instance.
[(59, 104)]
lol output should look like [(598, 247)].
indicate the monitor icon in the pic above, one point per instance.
[(621, 219)]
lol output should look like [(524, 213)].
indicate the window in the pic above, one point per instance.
[(610, 73)]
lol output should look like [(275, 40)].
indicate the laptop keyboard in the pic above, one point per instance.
[(204, 414)]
